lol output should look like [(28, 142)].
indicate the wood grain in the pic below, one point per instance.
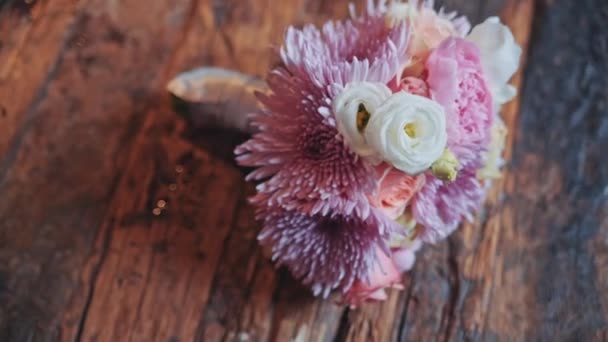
[(554, 242), (33, 38), (155, 273), (119, 221), (233, 256), (68, 150)]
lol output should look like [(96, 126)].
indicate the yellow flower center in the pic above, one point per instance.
[(363, 117), (410, 129)]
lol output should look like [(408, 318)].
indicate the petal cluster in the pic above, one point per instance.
[(409, 132), (439, 207), (325, 252), (456, 81), (499, 56), (314, 190), (301, 159), (378, 134), (354, 108)]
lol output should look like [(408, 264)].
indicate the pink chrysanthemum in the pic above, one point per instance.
[(325, 252), (441, 206), (298, 152)]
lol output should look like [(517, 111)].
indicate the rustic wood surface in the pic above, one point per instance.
[(119, 221)]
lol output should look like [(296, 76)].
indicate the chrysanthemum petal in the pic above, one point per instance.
[(326, 252)]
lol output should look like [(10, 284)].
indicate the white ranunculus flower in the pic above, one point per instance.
[(499, 57), (408, 131), (353, 108)]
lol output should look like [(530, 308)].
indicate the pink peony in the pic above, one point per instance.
[(396, 188), (457, 82), (384, 275)]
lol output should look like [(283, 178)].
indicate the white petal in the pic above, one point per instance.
[(504, 94), (386, 133), (499, 56), (346, 107)]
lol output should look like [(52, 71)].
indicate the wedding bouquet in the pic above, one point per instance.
[(377, 134)]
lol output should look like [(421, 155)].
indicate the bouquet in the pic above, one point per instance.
[(376, 135)]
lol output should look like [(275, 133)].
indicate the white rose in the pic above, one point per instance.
[(408, 131), (353, 108), (499, 57)]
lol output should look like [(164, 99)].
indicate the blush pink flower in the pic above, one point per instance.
[(384, 275), (404, 257), (456, 81), (395, 190), (429, 27), (414, 85), (429, 31)]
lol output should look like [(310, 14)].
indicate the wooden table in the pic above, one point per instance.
[(120, 222)]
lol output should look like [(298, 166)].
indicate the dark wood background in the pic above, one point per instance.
[(119, 221)]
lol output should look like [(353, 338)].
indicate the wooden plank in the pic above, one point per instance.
[(483, 259), (275, 307), (246, 298), (235, 30), (32, 37), (550, 282), (65, 159), (169, 222), (175, 255)]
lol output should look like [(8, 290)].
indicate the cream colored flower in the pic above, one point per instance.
[(429, 29), (446, 167), (493, 157), (408, 131), (499, 57), (398, 12), (408, 224), (354, 107)]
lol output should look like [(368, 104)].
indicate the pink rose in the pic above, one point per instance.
[(384, 275), (395, 190), (414, 85), (456, 80)]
